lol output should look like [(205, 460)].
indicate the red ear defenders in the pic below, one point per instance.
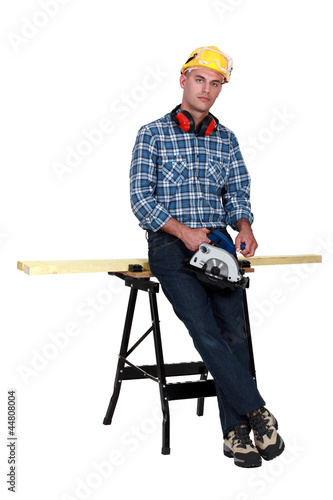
[(185, 121)]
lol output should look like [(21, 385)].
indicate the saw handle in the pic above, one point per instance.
[(220, 240)]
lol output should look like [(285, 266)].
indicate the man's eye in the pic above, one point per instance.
[(199, 80)]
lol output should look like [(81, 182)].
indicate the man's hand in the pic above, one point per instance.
[(246, 236), (191, 238)]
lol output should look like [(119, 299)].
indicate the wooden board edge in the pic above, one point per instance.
[(283, 259), (55, 267), (21, 266)]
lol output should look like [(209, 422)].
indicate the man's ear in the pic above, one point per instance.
[(182, 80)]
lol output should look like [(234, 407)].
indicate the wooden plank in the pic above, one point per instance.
[(79, 266), (121, 265), (283, 259)]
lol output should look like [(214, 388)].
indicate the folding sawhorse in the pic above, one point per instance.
[(160, 371)]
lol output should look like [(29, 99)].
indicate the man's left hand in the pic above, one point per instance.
[(245, 236)]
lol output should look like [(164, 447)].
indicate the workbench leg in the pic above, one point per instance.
[(201, 401), (123, 353), (160, 374), (248, 336)]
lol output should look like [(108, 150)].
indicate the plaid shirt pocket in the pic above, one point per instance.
[(174, 170), (216, 174)]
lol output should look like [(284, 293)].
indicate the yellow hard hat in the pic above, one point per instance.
[(210, 58)]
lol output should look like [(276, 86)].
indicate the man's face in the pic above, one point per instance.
[(201, 88)]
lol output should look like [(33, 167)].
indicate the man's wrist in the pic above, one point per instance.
[(174, 227), (243, 225)]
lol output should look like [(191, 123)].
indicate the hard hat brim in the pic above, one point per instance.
[(226, 76)]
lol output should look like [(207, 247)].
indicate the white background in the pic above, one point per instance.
[(68, 66)]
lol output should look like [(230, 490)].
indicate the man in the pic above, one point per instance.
[(188, 177)]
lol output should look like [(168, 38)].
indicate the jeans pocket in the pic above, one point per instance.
[(159, 240)]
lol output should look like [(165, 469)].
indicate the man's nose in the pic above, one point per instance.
[(206, 88)]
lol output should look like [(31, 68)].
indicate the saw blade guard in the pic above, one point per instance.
[(216, 262)]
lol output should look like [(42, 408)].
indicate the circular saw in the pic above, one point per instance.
[(216, 266)]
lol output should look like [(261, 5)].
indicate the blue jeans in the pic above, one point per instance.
[(214, 319)]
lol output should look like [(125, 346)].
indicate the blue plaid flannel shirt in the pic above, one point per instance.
[(200, 181)]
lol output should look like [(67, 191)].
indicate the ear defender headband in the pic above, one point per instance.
[(185, 121)]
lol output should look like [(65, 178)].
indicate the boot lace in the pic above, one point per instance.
[(260, 425), (241, 437)]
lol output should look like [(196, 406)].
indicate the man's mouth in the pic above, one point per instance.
[(204, 98)]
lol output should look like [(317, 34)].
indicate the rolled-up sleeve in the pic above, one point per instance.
[(143, 178), (236, 193)]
